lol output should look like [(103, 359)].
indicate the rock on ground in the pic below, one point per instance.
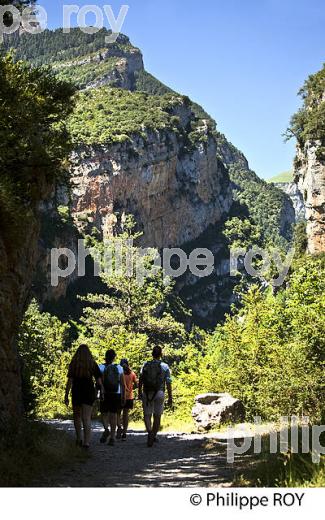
[(214, 409)]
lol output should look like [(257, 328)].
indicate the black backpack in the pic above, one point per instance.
[(111, 378), (152, 377)]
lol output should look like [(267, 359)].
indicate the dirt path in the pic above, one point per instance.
[(177, 460)]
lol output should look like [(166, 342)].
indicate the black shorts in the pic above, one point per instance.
[(129, 403), (83, 392), (112, 403)]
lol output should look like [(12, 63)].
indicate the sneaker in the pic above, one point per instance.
[(123, 436), (151, 440), (111, 442), (119, 433), (104, 436)]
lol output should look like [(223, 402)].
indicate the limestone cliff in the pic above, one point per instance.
[(141, 148), (308, 126), (291, 189), (117, 66), (174, 195), (310, 178), (57, 231)]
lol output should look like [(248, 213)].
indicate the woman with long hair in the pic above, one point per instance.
[(82, 373)]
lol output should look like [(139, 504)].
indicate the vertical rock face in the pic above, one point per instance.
[(174, 178), (123, 73), (173, 195), (308, 126), (310, 178), (16, 272), (176, 189), (292, 190), (287, 217), (176, 197)]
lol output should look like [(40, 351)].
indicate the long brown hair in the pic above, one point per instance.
[(82, 363)]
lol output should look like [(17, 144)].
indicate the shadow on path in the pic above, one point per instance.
[(178, 460)]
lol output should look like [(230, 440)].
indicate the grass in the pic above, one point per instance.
[(282, 177), (168, 424), (282, 469), (32, 450)]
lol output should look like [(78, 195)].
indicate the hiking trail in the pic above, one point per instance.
[(177, 460)]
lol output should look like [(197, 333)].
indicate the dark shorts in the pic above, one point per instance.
[(112, 403), (83, 392), (129, 403)]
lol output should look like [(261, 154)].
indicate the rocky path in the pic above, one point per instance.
[(178, 459)]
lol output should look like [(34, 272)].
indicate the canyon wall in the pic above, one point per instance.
[(308, 127), (292, 190), (310, 179), (173, 195), (173, 179), (19, 257)]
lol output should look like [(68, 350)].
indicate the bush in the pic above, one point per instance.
[(129, 113), (270, 353), (43, 344)]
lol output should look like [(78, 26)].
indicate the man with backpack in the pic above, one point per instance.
[(154, 378), (114, 396)]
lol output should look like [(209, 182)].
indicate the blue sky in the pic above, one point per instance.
[(242, 60)]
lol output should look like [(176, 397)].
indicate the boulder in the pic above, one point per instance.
[(214, 409)]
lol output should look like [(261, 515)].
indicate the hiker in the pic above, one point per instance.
[(114, 396), (154, 378), (81, 375), (131, 382)]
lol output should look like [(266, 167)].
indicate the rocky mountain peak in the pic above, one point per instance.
[(140, 148)]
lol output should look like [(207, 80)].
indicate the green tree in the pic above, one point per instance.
[(270, 353), (309, 122), (34, 141), (300, 238), (241, 233), (134, 313), (42, 344)]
